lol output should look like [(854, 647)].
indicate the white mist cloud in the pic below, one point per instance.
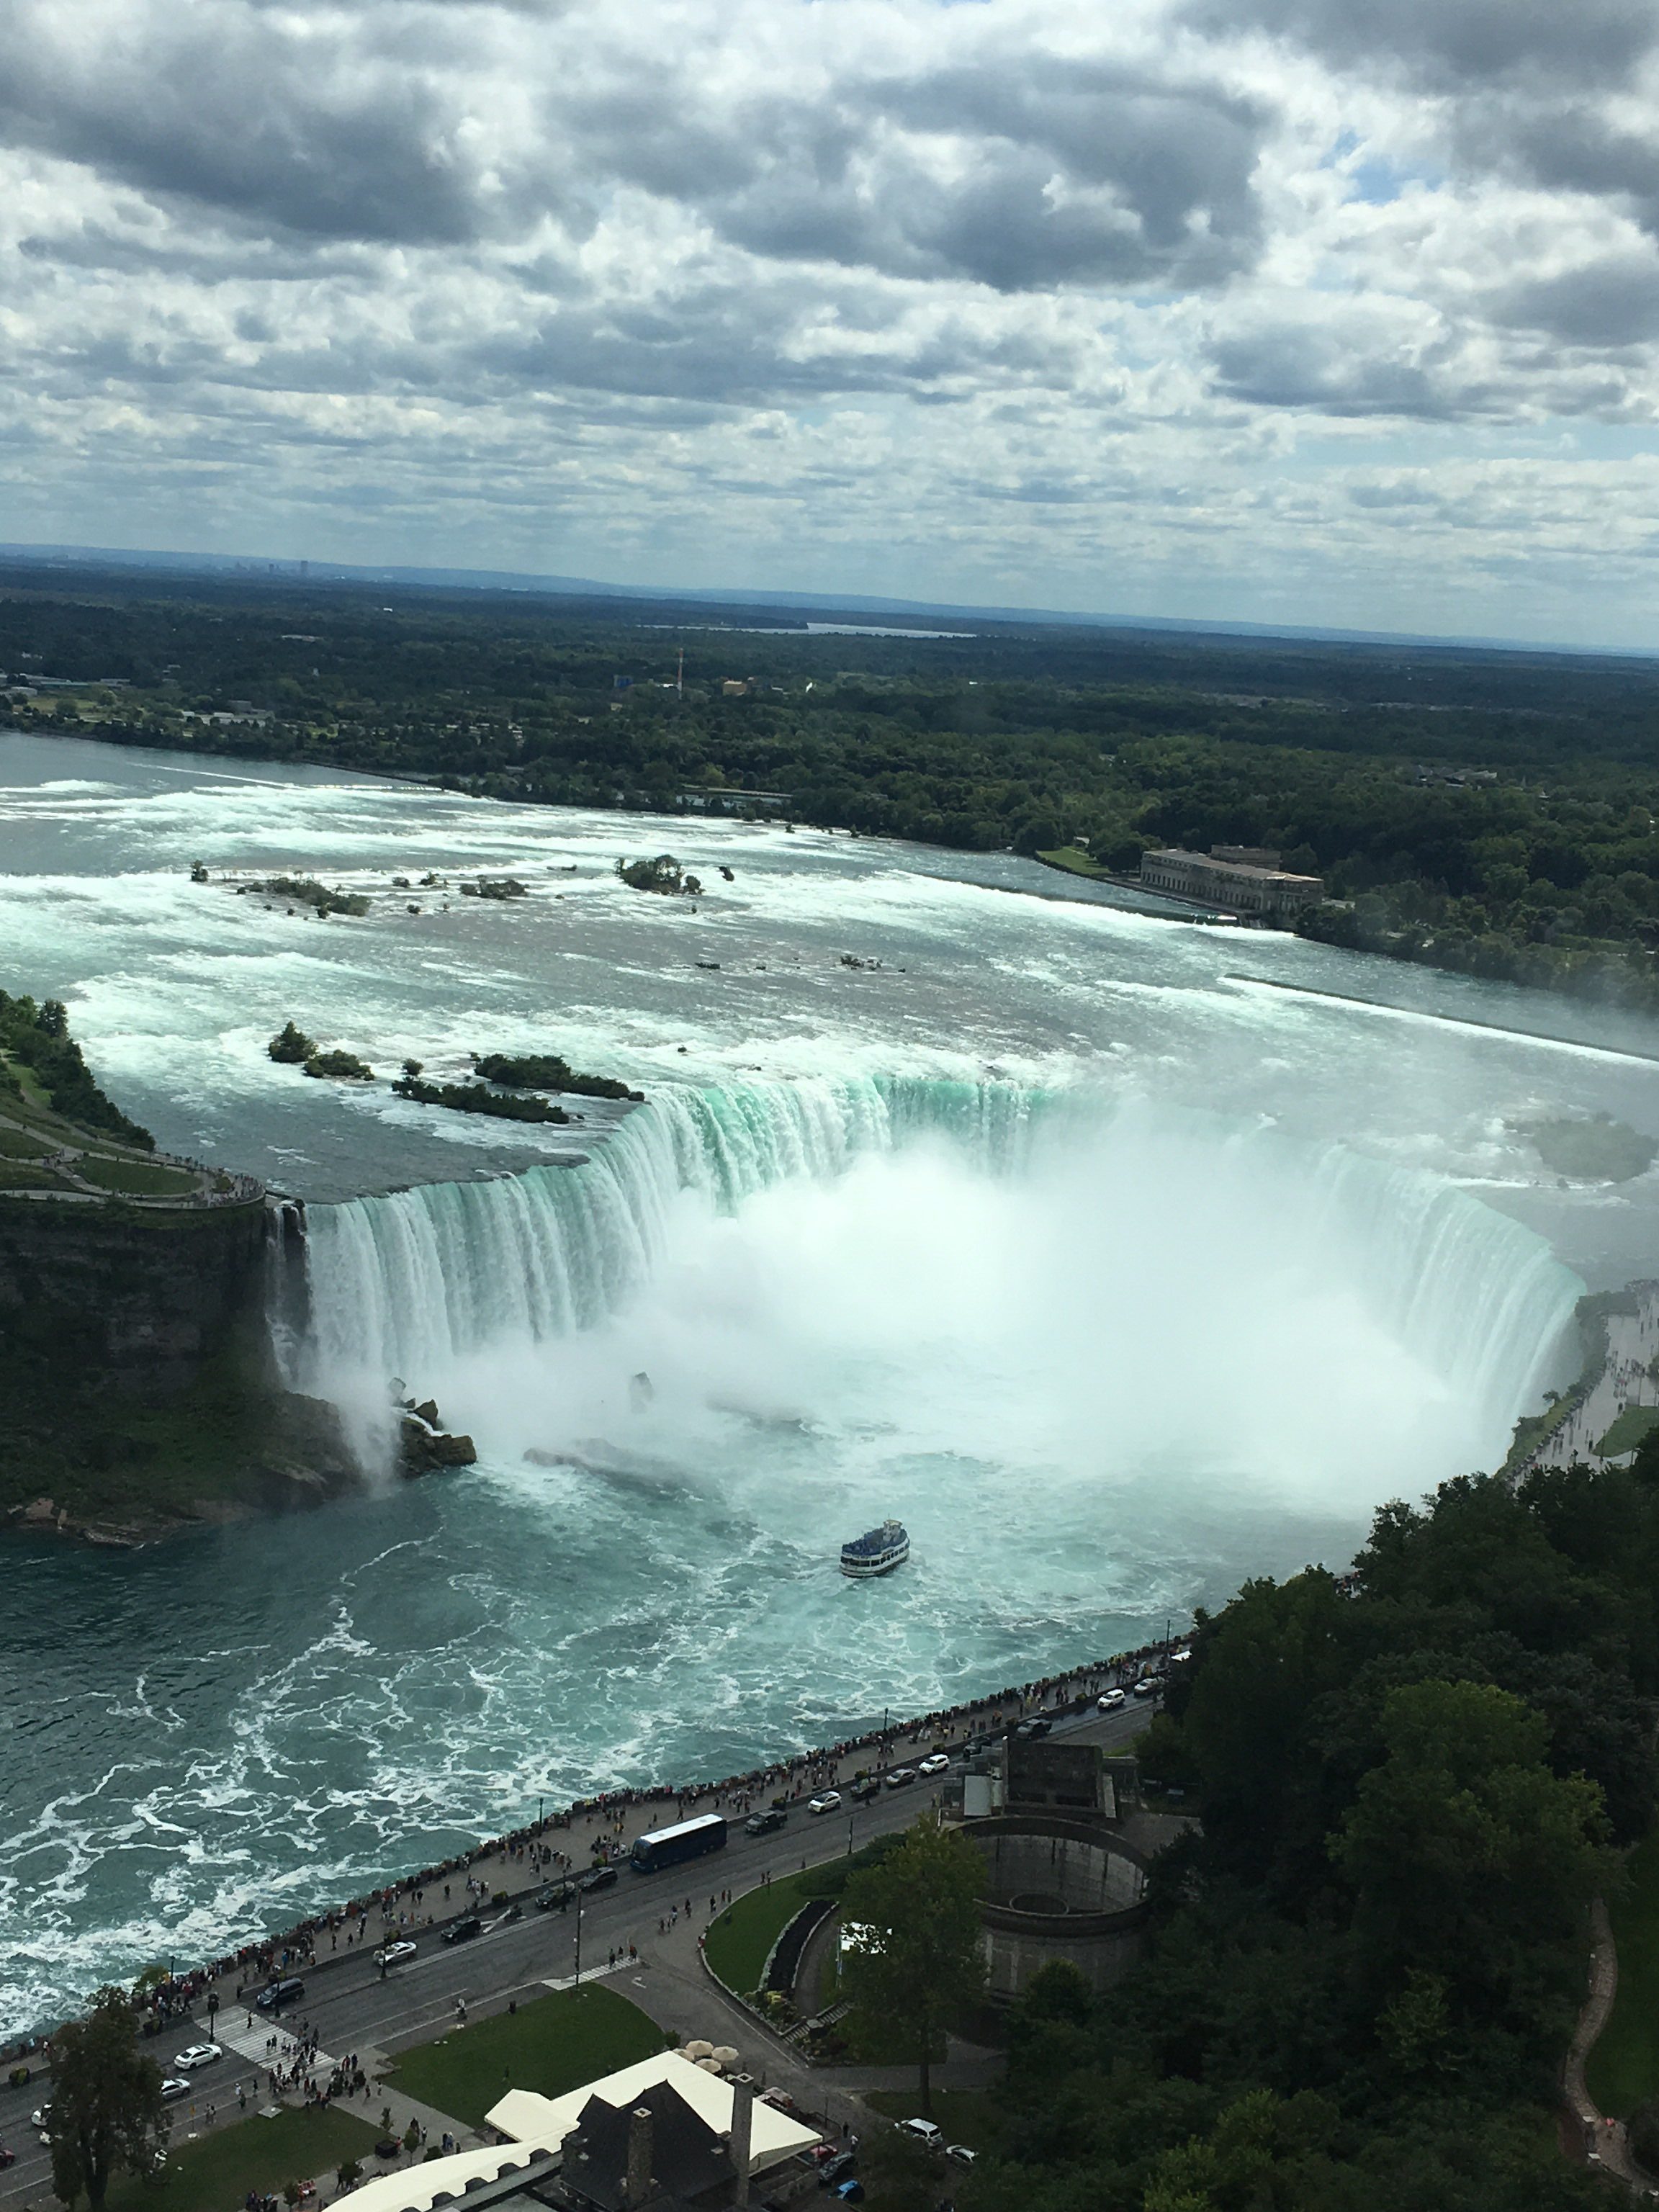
[(1031, 301)]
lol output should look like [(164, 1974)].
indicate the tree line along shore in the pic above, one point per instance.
[(1492, 813)]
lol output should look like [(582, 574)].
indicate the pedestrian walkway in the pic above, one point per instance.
[(1604, 2142)]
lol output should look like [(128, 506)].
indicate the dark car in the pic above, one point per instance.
[(599, 1877), (1032, 1730), (865, 1790), (836, 2169), (7, 2158), (555, 1895), (275, 1995), (463, 1930), (763, 1824)]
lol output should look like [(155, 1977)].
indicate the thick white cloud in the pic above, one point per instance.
[(1183, 306)]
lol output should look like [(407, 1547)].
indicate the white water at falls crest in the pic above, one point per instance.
[(1049, 1287)]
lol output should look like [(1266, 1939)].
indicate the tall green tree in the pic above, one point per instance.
[(920, 1961), (1464, 1850), (106, 2111)]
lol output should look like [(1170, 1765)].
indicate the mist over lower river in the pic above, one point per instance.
[(1066, 1233)]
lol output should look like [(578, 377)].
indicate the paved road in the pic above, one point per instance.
[(355, 2009)]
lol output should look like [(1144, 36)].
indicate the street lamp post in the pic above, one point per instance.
[(578, 1939)]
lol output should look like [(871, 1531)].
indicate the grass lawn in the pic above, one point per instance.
[(1628, 1430), (216, 2174), (134, 1176), (1623, 2067), (740, 1938), (20, 1145), (554, 2043), (1074, 862)]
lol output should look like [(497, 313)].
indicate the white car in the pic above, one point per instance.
[(196, 2054), (1109, 1700), (40, 2117), (1149, 1686), (935, 1763), (175, 2086), (961, 2153), (389, 1954), (825, 1801), (923, 2131)]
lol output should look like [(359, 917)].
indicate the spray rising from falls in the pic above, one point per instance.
[(1060, 1289)]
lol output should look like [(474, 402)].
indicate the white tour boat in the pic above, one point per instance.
[(877, 1552)]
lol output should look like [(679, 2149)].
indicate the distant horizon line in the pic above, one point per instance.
[(296, 568)]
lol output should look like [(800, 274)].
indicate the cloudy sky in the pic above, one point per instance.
[(1312, 310)]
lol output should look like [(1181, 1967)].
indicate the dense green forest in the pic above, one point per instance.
[(1486, 811), (1366, 1967)]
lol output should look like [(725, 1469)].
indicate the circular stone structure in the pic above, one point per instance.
[(1057, 1887)]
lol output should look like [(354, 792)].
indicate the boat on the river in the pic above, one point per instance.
[(877, 1552)]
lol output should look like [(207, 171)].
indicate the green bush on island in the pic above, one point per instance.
[(547, 1072), (496, 887), (306, 890), (662, 874), (339, 1066), (291, 1047), (478, 1099)]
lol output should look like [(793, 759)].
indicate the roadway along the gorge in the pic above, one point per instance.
[(353, 2007)]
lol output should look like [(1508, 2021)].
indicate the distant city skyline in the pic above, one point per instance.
[(1285, 313)]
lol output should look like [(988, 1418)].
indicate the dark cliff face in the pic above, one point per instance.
[(96, 1299), (137, 1385)]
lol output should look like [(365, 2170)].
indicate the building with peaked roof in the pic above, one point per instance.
[(572, 2152)]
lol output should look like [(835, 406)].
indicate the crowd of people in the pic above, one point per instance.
[(406, 1903)]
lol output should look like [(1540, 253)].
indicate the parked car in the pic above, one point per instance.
[(850, 2191), (836, 2169), (40, 2118), (173, 2087), (825, 1801), (900, 1777), (961, 2153), (598, 1877), (553, 1894), (923, 2131), (275, 1995), (391, 1954), (463, 1930), (865, 1790), (763, 1824), (1148, 1686), (7, 2158), (1109, 1700), (935, 1763), (195, 2055)]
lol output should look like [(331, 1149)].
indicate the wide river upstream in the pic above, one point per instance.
[(1119, 1255)]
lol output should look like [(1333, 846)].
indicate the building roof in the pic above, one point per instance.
[(687, 2156), (535, 2120)]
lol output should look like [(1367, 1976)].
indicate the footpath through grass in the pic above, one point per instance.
[(552, 2045), (216, 2174), (741, 1937), (1623, 2068)]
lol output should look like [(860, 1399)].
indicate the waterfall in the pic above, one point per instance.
[(398, 1285), (410, 1283)]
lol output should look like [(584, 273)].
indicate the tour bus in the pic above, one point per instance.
[(686, 1839)]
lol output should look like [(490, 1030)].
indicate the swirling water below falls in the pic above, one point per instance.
[(1104, 1350)]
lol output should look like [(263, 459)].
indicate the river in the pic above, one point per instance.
[(1060, 1228)]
